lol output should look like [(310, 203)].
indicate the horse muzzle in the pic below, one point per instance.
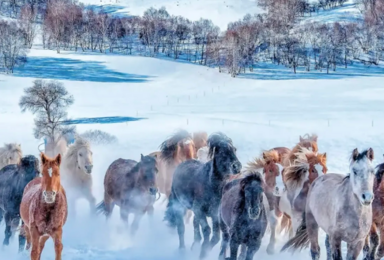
[(236, 167), (254, 213), (88, 168), (49, 196), (153, 191), (366, 198)]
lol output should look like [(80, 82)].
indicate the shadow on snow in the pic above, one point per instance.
[(77, 70), (102, 120)]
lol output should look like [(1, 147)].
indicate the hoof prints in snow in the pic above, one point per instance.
[(102, 120)]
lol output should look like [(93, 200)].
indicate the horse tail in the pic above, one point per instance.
[(100, 208), (174, 212), (300, 240)]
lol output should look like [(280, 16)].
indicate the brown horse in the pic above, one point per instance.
[(373, 242), (132, 186), (309, 142), (43, 209)]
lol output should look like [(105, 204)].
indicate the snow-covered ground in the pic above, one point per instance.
[(344, 109)]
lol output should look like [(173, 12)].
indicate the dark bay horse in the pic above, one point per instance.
[(198, 187), (13, 179), (243, 216), (132, 186), (374, 245), (44, 209), (341, 205)]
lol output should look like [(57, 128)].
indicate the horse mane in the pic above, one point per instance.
[(216, 140), (296, 174), (310, 138), (8, 149), (301, 155), (379, 173), (360, 156), (71, 154), (169, 147), (254, 166)]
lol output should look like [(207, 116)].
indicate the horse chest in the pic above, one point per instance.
[(356, 227)]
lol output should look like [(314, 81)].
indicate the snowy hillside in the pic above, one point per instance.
[(256, 114)]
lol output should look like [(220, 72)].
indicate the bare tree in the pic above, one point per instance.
[(49, 101)]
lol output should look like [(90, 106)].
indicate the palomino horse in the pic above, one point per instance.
[(44, 209), (341, 206), (132, 186), (175, 150), (10, 154), (76, 170), (373, 242), (243, 215), (57, 145), (299, 176), (198, 187), (13, 179)]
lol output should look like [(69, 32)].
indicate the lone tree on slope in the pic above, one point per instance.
[(49, 100)]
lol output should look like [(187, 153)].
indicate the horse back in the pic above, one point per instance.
[(229, 201)]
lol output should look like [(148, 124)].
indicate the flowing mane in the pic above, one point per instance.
[(296, 174), (309, 138), (70, 158), (9, 150), (169, 147), (254, 166), (217, 140)]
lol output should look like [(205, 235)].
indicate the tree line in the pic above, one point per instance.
[(276, 36)]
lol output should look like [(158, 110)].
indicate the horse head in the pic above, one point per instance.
[(178, 148), (223, 154), (271, 167), (200, 139), (148, 173), (30, 165), (362, 175), (51, 177), (317, 164), (12, 153), (186, 149), (251, 191), (309, 142)]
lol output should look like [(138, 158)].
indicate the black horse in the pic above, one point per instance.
[(243, 218), (13, 179), (198, 187)]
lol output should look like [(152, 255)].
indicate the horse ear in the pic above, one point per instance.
[(58, 159), (314, 138), (142, 157), (43, 158), (301, 139), (355, 154), (155, 155), (370, 154), (325, 155), (264, 156)]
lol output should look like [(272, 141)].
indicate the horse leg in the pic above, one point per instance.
[(313, 234), (35, 237), (8, 230), (206, 234), (22, 236), (328, 247), (215, 230), (371, 243), (233, 245), (151, 212), (91, 199), (380, 250), (42, 241), (196, 232), (57, 238), (354, 249), (124, 216), (136, 221), (224, 241), (253, 248), (273, 220), (335, 246), (28, 237), (243, 252), (108, 205), (1, 215)]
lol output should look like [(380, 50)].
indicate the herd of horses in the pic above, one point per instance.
[(284, 190)]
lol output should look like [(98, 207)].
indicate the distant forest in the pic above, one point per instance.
[(281, 35)]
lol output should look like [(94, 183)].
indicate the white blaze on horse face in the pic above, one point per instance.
[(319, 168), (50, 172), (281, 168), (362, 178)]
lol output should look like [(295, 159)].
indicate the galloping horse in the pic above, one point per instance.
[(43, 209), (373, 242), (13, 179), (243, 215), (299, 176), (341, 206), (76, 171), (132, 186), (198, 187), (10, 154)]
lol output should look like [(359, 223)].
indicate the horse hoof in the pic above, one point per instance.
[(195, 245)]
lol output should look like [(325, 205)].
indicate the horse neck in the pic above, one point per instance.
[(216, 181), (136, 174)]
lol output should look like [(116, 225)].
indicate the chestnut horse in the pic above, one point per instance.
[(309, 142), (374, 246), (43, 209), (132, 186), (299, 176)]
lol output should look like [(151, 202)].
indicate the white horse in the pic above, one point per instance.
[(76, 172), (10, 154), (55, 147)]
